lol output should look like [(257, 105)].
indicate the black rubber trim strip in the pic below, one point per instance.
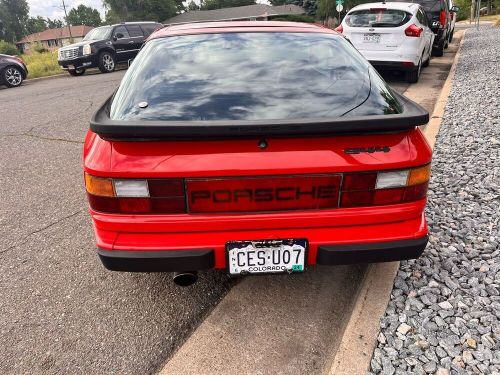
[(413, 115), (371, 252), (157, 261)]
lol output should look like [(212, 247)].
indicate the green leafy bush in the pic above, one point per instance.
[(8, 48), (38, 47), (295, 18), (42, 64)]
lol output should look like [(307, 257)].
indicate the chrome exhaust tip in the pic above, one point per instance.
[(185, 278)]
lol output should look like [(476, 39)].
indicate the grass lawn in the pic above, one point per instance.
[(42, 64)]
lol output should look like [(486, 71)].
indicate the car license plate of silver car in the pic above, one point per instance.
[(266, 256), (371, 38)]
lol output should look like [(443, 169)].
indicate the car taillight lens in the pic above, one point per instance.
[(256, 194), (452, 14), (385, 187), (442, 18), (413, 31), (135, 196), (339, 29)]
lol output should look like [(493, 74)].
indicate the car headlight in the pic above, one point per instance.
[(86, 50), (59, 54)]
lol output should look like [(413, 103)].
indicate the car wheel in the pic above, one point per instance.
[(12, 76), (106, 62), (76, 72), (414, 75), (439, 51)]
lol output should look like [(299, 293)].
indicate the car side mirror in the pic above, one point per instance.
[(455, 9), (118, 36)]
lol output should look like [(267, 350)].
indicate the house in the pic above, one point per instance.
[(256, 12), (52, 39)]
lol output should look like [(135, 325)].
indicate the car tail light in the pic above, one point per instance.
[(339, 29), (134, 196), (413, 31), (452, 14), (385, 187), (256, 194), (442, 18)]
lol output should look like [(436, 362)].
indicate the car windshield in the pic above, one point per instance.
[(377, 18), (98, 33), (243, 76)]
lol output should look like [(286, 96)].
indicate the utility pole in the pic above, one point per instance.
[(69, 27)]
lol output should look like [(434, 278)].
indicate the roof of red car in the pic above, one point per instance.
[(238, 26)]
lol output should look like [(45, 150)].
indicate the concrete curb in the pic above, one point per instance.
[(359, 339)]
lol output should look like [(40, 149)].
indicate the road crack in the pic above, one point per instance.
[(48, 226)]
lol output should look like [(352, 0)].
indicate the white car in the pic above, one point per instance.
[(391, 36)]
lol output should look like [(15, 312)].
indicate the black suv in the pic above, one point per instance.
[(438, 14), (105, 46)]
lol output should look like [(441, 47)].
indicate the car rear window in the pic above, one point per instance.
[(377, 18), (246, 76)]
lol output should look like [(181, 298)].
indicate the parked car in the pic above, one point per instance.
[(13, 71), (105, 46), (255, 147), (392, 36), (438, 15)]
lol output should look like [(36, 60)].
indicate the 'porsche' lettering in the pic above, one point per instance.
[(287, 193)]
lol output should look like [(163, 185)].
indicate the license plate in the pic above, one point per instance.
[(371, 38), (266, 256)]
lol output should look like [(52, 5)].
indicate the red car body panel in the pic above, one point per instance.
[(244, 158)]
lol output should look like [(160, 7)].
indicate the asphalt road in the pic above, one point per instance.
[(60, 310)]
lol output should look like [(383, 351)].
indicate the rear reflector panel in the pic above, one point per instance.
[(263, 194)]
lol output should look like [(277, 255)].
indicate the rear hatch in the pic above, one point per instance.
[(230, 85), (377, 28)]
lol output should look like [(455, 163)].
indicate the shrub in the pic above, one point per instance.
[(42, 64), (295, 18), (8, 48), (38, 47)]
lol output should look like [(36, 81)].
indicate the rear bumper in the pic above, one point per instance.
[(146, 244), (204, 259), (394, 65)]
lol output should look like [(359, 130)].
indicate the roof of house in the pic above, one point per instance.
[(63, 32), (235, 13)]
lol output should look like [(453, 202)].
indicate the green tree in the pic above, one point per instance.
[(277, 2), (218, 4), (326, 8), (193, 6), (35, 25), (54, 24), (13, 17), (84, 15), (144, 10), (310, 6)]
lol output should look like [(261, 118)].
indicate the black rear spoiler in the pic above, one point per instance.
[(411, 116)]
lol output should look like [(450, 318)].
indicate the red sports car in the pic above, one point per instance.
[(255, 147)]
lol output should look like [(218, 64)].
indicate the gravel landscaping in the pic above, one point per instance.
[(444, 313)]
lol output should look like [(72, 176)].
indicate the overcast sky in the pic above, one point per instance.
[(53, 8)]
